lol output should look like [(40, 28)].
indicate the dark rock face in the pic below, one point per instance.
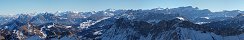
[(183, 23), (171, 29)]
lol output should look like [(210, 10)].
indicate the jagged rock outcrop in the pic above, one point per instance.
[(183, 23), (175, 29)]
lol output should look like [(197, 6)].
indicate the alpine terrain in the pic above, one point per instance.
[(182, 23)]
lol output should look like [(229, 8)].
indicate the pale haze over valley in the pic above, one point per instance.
[(10, 7)]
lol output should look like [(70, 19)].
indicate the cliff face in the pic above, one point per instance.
[(175, 29), (183, 23)]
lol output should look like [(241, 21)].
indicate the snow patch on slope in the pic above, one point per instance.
[(181, 18), (90, 23), (205, 17)]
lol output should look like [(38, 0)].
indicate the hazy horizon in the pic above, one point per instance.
[(10, 7)]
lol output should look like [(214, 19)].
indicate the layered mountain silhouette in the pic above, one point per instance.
[(183, 23)]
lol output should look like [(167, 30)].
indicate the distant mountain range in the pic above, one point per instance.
[(182, 23)]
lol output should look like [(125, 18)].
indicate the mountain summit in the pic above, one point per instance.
[(183, 23)]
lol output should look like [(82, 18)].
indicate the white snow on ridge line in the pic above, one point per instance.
[(49, 26), (68, 26), (205, 17), (85, 24), (44, 35), (202, 22), (181, 18), (90, 23), (63, 18), (97, 32)]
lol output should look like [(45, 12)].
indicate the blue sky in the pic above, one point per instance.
[(10, 7)]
